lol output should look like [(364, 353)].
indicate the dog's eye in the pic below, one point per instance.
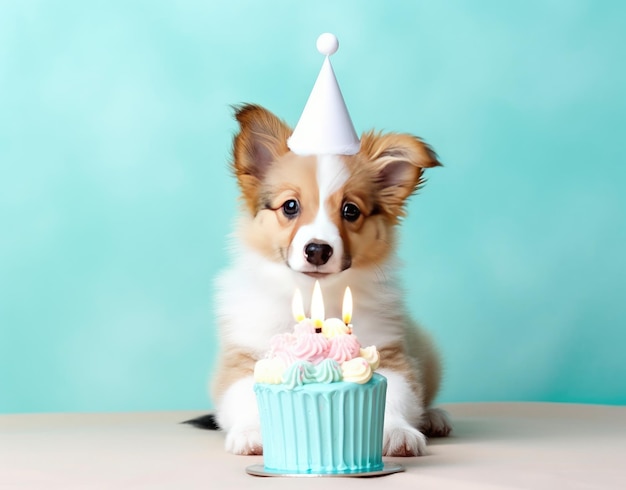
[(350, 212), (291, 208)]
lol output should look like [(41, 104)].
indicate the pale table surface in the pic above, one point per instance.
[(494, 445)]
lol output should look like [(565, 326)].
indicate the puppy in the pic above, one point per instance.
[(332, 219)]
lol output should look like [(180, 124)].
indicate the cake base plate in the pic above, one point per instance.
[(387, 469)]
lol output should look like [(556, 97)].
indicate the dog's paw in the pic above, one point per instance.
[(245, 441), (403, 441), (436, 423)]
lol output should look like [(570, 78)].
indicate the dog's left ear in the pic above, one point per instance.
[(261, 139), (397, 161)]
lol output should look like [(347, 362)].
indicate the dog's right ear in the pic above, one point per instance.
[(262, 138)]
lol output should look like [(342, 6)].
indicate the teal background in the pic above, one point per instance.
[(116, 200)]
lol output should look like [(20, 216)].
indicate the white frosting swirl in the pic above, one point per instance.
[(357, 370), (334, 327), (269, 371), (371, 355)]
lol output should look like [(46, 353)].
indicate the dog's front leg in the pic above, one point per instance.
[(237, 412), (238, 415), (403, 412)]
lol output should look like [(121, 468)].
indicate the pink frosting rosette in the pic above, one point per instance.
[(286, 356), (311, 347), (282, 342), (304, 327), (281, 346), (344, 347)]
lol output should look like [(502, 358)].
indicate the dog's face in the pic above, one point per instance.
[(323, 214)]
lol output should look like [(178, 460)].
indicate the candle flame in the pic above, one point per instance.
[(317, 306), (346, 311), (296, 306)]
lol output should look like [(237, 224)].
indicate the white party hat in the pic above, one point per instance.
[(325, 127)]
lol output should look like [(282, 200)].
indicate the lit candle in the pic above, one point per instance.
[(317, 306), (346, 311), (296, 306), (334, 327)]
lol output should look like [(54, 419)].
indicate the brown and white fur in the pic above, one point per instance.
[(331, 218)]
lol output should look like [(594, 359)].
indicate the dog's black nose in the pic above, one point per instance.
[(317, 253)]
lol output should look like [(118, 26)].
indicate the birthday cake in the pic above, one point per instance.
[(320, 402)]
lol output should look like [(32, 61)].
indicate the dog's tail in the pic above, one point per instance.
[(206, 422)]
